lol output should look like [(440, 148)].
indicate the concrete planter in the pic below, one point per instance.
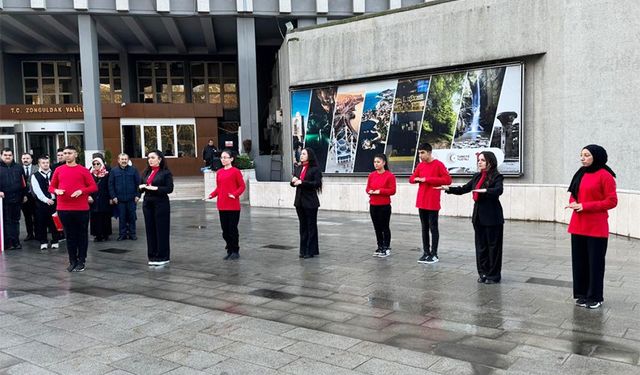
[(210, 183)]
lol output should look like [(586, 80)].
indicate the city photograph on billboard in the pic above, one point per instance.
[(459, 113)]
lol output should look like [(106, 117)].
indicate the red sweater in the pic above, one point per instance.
[(386, 183), (597, 194), (436, 174), (71, 179), (228, 181)]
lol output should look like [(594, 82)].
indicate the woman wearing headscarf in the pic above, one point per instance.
[(487, 217), (99, 202), (307, 179), (593, 193)]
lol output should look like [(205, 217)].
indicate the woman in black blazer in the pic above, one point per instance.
[(307, 179), (487, 218), (157, 183)]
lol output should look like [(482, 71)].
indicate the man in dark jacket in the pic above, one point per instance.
[(210, 156), (123, 191), (13, 191)]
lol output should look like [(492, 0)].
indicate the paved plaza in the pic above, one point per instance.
[(344, 312)]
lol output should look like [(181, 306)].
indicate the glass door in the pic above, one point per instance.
[(40, 144)]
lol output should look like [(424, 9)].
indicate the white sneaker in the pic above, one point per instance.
[(162, 262), (55, 245), (44, 246)]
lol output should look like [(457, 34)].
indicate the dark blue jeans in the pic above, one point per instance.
[(127, 218), (76, 228)]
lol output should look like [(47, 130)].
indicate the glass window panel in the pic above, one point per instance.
[(186, 141), (161, 85), (178, 97), (197, 69), (214, 99), (168, 146), (160, 69), (64, 69), (229, 70), (198, 91), (31, 99), (229, 87), (131, 144), (30, 69), (65, 99), (117, 96), (214, 87), (47, 69), (117, 84), (145, 85), (64, 85), (115, 69), (49, 86), (144, 69), (104, 69), (105, 93), (177, 69), (30, 86), (49, 99), (150, 139), (213, 69), (230, 101)]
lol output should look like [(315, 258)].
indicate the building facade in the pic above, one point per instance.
[(134, 76)]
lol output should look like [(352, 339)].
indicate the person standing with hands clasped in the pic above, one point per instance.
[(157, 183), (593, 193), (73, 183), (381, 185), (307, 179), (229, 186), (487, 218), (430, 173), (45, 205)]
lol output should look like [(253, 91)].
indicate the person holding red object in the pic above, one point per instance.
[(73, 184), (430, 173), (381, 185), (487, 218), (229, 186), (593, 193)]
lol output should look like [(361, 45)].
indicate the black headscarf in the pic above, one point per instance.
[(599, 162)]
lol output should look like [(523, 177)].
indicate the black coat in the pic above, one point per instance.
[(12, 182), (163, 180), (101, 197), (487, 210), (307, 192)]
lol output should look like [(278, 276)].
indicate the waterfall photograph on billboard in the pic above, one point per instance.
[(441, 112), (299, 115), (343, 141), (406, 118), (374, 126), (318, 128)]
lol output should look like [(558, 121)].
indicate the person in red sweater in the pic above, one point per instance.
[(381, 185), (429, 174), (72, 183), (229, 186), (593, 193)]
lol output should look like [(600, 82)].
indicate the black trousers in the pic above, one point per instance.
[(100, 224), (11, 218), (488, 240), (76, 227), (127, 218), (44, 222), (429, 222), (587, 260), (29, 211), (229, 222), (157, 221), (308, 218), (381, 216)]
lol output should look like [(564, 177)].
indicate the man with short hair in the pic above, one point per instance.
[(12, 190), (210, 156), (29, 206), (123, 191), (45, 204), (59, 159), (430, 173)]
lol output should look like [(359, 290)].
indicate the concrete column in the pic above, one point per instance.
[(124, 77), (247, 84), (93, 138), (3, 97)]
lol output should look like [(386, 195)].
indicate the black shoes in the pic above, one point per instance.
[(423, 258), (228, 256), (481, 279), (79, 267), (489, 281), (71, 267), (583, 302), (121, 238), (234, 256), (29, 237), (133, 237)]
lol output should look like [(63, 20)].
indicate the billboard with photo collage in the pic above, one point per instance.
[(460, 113)]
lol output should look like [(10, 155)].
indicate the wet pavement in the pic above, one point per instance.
[(344, 312)]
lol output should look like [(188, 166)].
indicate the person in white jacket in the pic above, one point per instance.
[(45, 204)]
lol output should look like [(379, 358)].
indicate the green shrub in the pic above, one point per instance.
[(243, 162)]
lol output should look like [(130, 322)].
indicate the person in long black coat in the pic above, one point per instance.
[(157, 184), (487, 218), (100, 203), (307, 179)]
